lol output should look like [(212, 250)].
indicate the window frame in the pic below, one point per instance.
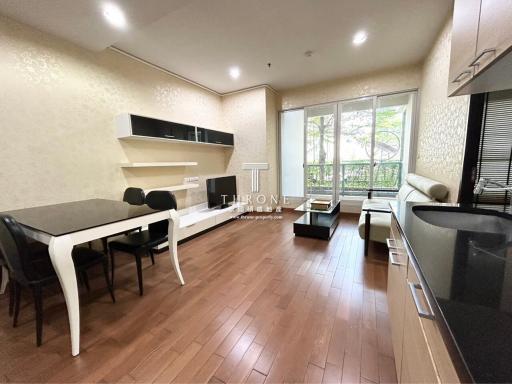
[(336, 189)]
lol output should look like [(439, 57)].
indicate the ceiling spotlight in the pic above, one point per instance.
[(359, 38), (234, 72), (114, 15)]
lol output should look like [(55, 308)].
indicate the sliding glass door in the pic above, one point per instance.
[(346, 148), (393, 122), (374, 143), (320, 144), (355, 146)]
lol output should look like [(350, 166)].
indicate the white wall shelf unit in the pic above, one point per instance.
[(173, 188), (159, 164)]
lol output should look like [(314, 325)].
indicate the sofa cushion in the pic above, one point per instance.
[(375, 204), (380, 224), (429, 187)]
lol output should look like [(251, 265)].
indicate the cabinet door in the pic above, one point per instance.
[(146, 126), (417, 363), (181, 132), (397, 284), (214, 137), (464, 41), (494, 33)]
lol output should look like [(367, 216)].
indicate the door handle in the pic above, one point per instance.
[(392, 259), (426, 314), (391, 243), (461, 76), (476, 62)]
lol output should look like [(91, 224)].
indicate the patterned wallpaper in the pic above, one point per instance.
[(252, 116), (398, 79), (57, 109), (443, 120)]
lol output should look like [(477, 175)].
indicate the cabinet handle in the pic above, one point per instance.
[(419, 307), (392, 259), (170, 136), (218, 142), (461, 76), (476, 62), (390, 244), (191, 225)]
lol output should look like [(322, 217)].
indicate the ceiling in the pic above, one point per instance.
[(201, 39)]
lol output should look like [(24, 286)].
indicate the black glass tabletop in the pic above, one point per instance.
[(65, 218)]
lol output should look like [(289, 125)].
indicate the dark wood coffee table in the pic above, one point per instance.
[(316, 223)]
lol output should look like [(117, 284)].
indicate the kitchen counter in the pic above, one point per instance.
[(469, 280)]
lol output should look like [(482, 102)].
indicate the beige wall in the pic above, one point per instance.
[(443, 120), (252, 117), (58, 104), (398, 79)]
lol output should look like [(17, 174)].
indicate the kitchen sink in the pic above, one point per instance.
[(465, 219)]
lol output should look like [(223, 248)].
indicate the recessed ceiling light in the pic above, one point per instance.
[(234, 72), (359, 38), (114, 15)]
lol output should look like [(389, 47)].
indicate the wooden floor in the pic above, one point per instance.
[(259, 306)]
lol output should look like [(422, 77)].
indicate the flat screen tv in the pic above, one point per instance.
[(221, 191)]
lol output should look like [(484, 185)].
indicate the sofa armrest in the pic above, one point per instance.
[(382, 210), (371, 190)]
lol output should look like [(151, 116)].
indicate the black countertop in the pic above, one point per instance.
[(469, 275)]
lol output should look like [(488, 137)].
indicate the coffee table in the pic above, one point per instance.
[(316, 223)]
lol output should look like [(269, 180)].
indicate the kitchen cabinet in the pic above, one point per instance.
[(421, 356), (397, 276), (466, 16), (417, 362), (480, 59), (494, 32)]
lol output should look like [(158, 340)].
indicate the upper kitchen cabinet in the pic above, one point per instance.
[(464, 37), (480, 58)]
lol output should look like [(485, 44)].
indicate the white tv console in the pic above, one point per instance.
[(198, 218)]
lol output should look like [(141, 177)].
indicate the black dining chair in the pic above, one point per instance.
[(30, 266), (141, 244), (132, 196)]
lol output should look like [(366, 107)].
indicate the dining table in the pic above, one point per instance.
[(62, 226)]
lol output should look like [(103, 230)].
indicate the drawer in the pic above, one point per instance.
[(192, 229), (225, 216)]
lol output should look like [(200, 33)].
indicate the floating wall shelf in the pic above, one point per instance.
[(173, 188), (159, 164)]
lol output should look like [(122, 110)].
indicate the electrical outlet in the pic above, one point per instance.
[(193, 179)]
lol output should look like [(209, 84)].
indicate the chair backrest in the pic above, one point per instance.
[(15, 250), (160, 200), (134, 196)]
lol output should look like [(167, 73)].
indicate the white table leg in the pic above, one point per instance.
[(60, 249), (173, 244), (5, 279)]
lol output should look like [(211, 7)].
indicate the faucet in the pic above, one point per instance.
[(482, 186)]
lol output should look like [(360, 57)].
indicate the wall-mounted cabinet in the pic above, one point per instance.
[(133, 127), (214, 137), (480, 59)]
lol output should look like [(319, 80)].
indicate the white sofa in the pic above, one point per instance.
[(375, 219)]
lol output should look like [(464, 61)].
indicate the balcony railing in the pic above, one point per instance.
[(354, 177)]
